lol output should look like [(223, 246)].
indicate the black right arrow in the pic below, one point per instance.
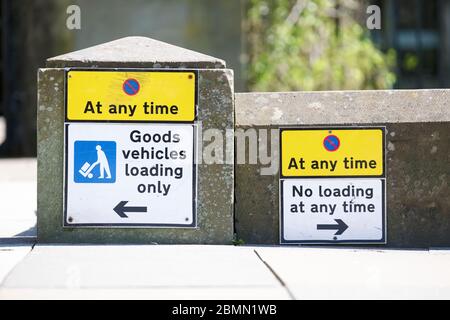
[(120, 209), (340, 227)]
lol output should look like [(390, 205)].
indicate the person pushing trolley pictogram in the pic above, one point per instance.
[(102, 161), (94, 161)]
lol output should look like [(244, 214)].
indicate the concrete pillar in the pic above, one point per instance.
[(212, 184)]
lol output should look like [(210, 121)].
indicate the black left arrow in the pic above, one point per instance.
[(121, 208), (340, 227)]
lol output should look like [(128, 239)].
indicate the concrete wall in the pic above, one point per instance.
[(418, 157)]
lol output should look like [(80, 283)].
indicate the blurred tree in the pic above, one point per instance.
[(312, 45), (32, 30)]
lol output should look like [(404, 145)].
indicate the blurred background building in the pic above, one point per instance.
[(419, 31), (270, 44)]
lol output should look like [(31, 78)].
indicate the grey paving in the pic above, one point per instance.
[(10, 256), (166, 293), (317, 273), (160, 271), (221, 272)]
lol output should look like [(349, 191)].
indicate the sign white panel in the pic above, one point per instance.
[(141, 175), (332, 210)]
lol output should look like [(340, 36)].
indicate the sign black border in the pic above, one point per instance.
[(381, 177), (66, 74)]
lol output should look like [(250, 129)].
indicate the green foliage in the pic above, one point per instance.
[(312, 45), (237, 241), (410, 62)]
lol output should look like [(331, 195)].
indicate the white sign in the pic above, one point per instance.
[(130, 175), (332, 210)]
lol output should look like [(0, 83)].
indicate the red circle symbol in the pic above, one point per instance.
[(131, 87), (331, 143)]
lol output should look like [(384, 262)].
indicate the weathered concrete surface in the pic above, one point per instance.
[(143, 272), (136, 52), (418, 157), (342, 107), (215, 182)]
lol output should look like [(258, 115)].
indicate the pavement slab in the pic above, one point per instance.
[(145, 271), (10, 256), (224, 272), (339, 273)]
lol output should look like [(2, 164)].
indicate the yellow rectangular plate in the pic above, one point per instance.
[(332, 152), (131, 95)]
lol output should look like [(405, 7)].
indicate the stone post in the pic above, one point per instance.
[(64, 185)]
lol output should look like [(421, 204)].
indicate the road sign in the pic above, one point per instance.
[(128, 174), (121, 171), (332, 185), (331, 143), (131, 95), (332, 210), (312, 152), (131, 87)]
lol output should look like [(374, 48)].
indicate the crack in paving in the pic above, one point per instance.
[(280, 280)]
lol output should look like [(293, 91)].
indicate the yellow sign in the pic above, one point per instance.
[(104, 95), (337, 152)]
